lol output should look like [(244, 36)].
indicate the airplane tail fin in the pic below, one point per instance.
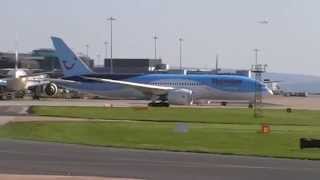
[(71, 64)]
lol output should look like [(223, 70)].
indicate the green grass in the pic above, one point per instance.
[(210, 138), (225, 131), (196, 115)]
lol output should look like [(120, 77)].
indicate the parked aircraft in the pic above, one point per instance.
[(17, 82)]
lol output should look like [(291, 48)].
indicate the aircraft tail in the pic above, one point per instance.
[(71, 64)]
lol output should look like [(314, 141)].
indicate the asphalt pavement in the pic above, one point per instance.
[(73, 102), (27, 157)]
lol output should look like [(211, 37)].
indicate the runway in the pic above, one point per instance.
[(25, 157)]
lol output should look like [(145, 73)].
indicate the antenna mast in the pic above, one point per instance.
[(16, 57)]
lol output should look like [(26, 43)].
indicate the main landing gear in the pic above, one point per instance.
[(159, 104), (224, 103), (36, 92), (250, 106)]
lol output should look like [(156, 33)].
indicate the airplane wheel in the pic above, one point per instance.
[(35, 97), (223, 103), (250, 106), (10, 97), (36, 92), (165, 104), (20, 94), (152, 104), (161, 104)]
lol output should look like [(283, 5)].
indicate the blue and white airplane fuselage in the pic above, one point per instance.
[(218, 87), (170, 88)]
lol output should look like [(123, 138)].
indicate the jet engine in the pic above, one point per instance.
[(180, 97), (51, 89)]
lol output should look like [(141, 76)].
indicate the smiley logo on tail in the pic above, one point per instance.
[(68, 66)]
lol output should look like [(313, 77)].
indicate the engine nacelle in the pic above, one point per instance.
[(51, 89), (180, 97)]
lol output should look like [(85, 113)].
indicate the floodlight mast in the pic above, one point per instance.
[(258, 70), (111, 63), (180, 52), (155, 46)]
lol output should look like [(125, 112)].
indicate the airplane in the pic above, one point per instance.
[(17, 82), (263, 22), (161, 89)]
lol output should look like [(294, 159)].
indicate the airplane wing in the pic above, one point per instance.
[(145, 88), (63, 81), (271, 81), (38, 81), (35, 80), (32, 83), (37, 75)]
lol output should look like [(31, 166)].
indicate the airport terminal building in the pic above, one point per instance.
[(45, 60), (125, 65)]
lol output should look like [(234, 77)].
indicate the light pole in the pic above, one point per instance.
[(87, 49), (261, 22), (111, 64), (155, 46), (106, 49), (258, 69), (256, 55), (180, 52), (217, 63)]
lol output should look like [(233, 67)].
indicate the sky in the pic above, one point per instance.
[(289, 42)]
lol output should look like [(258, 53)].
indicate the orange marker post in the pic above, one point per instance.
[(265, 128)]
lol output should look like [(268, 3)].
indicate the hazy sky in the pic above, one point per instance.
[(289, 43)]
